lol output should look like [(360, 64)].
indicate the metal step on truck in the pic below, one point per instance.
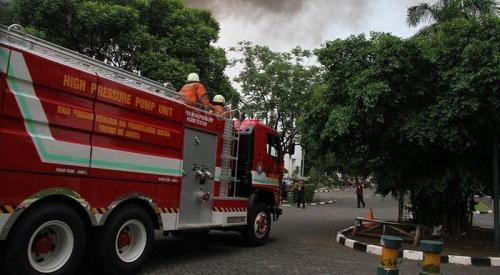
[(93, 159)]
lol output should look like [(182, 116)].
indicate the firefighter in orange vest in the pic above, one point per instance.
[(219, 106), (194, 93)]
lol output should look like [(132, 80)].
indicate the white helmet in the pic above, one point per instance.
[(193, 77), (219, 99)]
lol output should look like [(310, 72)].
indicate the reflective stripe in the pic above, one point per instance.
[(4, 59), (36, 122), (140, 163), (263, 179)]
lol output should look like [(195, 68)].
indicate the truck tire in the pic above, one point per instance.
[(47, 239), (259, 225), (125, 241)]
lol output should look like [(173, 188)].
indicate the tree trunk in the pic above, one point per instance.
[(450, 209)]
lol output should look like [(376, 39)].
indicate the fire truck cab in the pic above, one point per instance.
[(93, 159)]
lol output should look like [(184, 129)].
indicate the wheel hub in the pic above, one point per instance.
[(43, 245), (261, 225), (123, 240)]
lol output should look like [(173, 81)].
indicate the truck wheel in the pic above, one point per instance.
[(259, 225), (48, 239), (125, 242)]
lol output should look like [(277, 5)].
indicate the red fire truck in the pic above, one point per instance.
[(94, 158)]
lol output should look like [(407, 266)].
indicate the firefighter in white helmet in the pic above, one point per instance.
[(194, 93), (219, 106)]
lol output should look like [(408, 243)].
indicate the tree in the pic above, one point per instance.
[(446, 10), (418, 114), (274, 86), (5, 12), (161, 39), (463, 118), (356, 115)]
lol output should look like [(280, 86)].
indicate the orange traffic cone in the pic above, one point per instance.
[(370, 217)]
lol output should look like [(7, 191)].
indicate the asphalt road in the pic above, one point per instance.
[(302, 242)]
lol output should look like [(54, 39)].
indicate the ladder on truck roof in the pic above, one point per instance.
[(13, 36)]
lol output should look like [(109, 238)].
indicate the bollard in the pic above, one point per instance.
[(390, 255), (431, 264)]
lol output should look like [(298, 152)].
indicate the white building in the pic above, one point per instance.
[(294, 164)]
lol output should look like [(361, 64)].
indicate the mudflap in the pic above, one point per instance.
[(277, 212)]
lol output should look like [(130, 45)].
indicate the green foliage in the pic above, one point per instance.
[(5, 13), (275, 85), (353, 116), (418, 114), (481, 207), (446, 10), (308, 196), (319, 180), (162, 39)]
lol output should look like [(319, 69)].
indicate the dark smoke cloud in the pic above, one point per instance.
[(256, 10), (285, 24), (273, 6)]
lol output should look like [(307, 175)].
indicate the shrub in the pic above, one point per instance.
[(309, 195)]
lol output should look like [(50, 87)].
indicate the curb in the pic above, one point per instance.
[(312, 204), (416, 255), (482, 212), (483, 197), (334, 190), (323, 191)]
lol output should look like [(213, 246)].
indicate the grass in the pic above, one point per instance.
[(482, 207)]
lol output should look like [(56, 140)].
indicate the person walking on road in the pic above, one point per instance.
[(359, 194), (300, 188)]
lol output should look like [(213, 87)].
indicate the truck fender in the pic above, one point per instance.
[(142, 199), (251, 201), (45, 194), (259, 195), (267, 197)]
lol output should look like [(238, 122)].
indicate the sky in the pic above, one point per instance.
[(285, 24)]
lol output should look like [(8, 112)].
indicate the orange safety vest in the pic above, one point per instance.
[(195, 94)]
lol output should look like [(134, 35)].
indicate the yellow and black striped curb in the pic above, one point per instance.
[(168, 210), (99, 210), (413, 254), (7, 209), (230, 209)]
